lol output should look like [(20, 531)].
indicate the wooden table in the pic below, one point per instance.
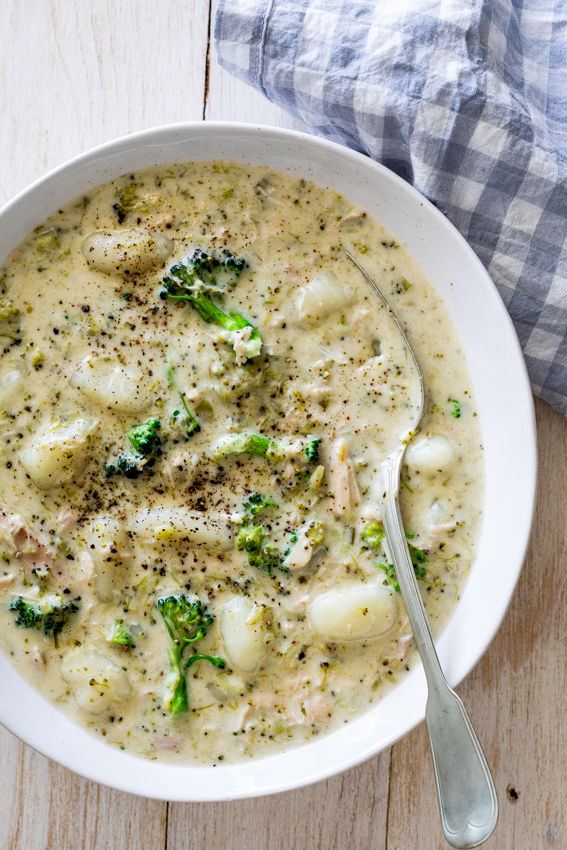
[(74, 74)]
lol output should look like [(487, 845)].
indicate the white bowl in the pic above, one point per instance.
[(504, 400)]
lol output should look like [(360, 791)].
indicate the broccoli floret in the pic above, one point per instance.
[(28, 616), (373, 534), (188, 282), (47, 242), (418, 559), (257, 503), (144, 438), (204, 265), (191, 424), (146, 443), (129, 465), (234, 264), (312, 451), (120, 635), (56, 618), (390, 575), (49, 616), (186, 623), (252, 538)]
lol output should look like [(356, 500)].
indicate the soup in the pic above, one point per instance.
[(198, 388)]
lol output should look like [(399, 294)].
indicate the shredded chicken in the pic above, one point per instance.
[(277, 321), (16, 538), (234, 720), (397, 650), (165, 743), (266, 699), (353, 218), (239, 340), (342, 480), (311, 709), (66, 520), (10, 527), (86, 566), (300, 555), (298, 599), (372, 513), (162, 221), (183, 466)]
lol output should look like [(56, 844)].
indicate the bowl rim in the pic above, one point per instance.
[(54, 746)]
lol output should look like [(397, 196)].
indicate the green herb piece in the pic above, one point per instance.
[(315, 533), (251, 444), (120, 635), (257, 503), (253, 539), (373, 534), (312, 451), (456, 408)]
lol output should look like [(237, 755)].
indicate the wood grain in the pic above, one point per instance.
[(72, 75), (347, 811)]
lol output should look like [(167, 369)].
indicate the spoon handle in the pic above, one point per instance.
[(465, 789)]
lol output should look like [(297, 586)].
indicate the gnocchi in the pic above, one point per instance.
[(109, 384), (126, 252), (60, 454), (109, 547), (323, 296), (434, 454), (245, 632), (354, 611), (168, 525), (97, 682)]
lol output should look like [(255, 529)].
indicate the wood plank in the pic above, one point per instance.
[(516, 695), (46, 807), (348, 811), (74, 75)]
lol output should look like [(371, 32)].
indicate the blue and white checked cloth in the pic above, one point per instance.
[(465, 99)]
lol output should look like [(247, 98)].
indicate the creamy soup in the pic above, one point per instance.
[(198, 388)]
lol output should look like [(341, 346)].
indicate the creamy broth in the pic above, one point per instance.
[(198, 389)]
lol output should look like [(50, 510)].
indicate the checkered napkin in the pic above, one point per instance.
[(464, 99)]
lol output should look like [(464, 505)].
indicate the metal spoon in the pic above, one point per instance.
[(465, 788)]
